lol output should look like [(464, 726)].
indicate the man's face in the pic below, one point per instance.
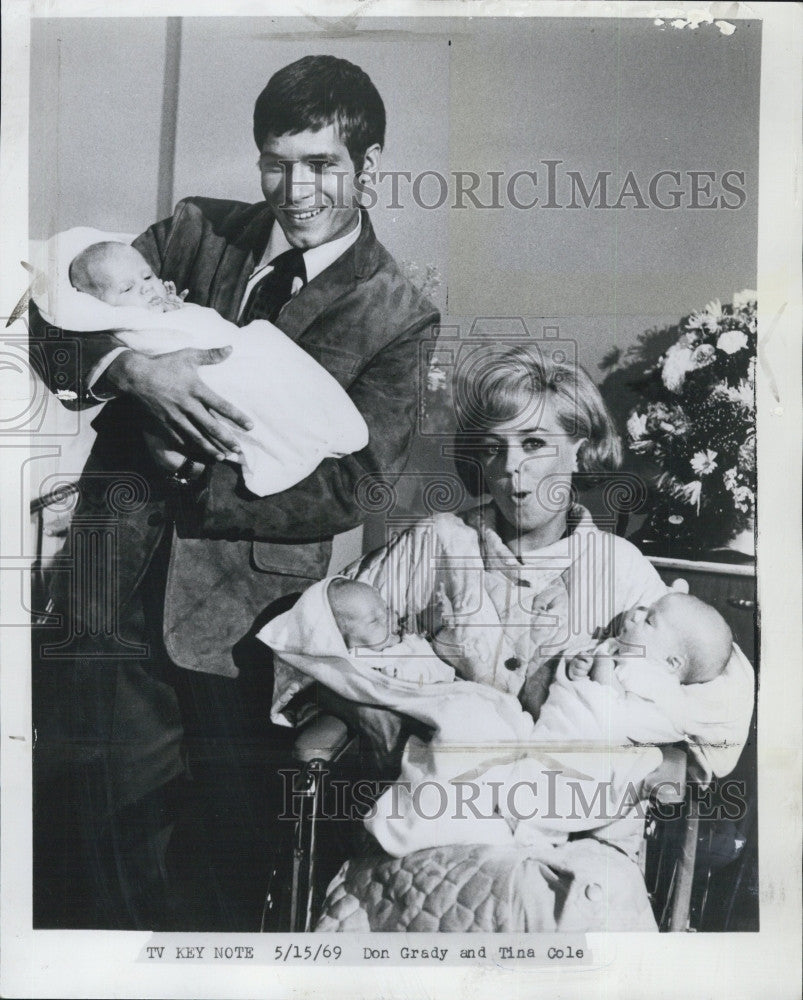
[(308, 179)]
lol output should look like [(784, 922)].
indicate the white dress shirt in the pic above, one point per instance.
[(316, 259)]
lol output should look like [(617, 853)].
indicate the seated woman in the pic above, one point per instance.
[(528, 577)]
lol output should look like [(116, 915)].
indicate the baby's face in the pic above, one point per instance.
[(657, 629), (126, 279), (364, 618)]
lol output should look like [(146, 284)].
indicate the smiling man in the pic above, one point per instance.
[(197, 560)]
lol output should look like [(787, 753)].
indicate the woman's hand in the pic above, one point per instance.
[(171, 390), (441, 613)]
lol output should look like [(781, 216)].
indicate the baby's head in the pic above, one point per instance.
[(692, 637), (118, 274), (361, 614)]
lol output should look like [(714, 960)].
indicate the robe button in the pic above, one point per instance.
[(513, 663), (594, 892)]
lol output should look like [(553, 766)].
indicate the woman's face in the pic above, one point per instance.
[(528, 464)]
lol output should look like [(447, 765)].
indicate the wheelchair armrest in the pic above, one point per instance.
[(667, 783), (324, 738)]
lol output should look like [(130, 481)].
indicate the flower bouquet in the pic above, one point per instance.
[(696, 431)]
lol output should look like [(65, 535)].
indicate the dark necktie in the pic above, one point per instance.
[(270, 294)]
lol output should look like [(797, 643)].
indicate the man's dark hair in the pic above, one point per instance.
[(316, 91)]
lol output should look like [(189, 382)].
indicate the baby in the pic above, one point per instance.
[(373, 633), (679, 634), (119, 275), (300, 413), (658, 667)]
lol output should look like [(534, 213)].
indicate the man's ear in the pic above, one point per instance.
[(370, 161)]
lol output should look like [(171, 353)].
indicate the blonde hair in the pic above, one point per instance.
[(503, 383)]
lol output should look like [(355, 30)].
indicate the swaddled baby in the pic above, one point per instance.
[(373, 633), (659, 667), (300, 413)]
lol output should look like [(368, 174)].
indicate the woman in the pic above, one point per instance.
[(517, 580)]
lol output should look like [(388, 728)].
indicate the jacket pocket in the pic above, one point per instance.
[(307, 560)]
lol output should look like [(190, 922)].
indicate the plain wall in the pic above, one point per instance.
[(95, 117)]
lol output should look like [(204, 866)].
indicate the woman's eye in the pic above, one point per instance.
[(533, 443), (488, 449)]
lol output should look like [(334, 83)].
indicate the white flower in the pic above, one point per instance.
[(703, 355), (65, 395), (743, 498), (691, 493), (732, 341), (677, 362), (742, 394), (637, 425), (703, 462), (729, 478), (744, 298), (709, 319)]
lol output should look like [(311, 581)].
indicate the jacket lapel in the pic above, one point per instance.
[(238, 260), (339, 278)]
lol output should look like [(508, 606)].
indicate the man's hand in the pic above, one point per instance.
[(169, 387)]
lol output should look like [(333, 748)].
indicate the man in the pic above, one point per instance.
[(149, 655)]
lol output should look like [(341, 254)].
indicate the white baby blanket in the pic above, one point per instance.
[(487, 774), (301, 414)]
